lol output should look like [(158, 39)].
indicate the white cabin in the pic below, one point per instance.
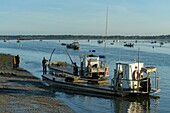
[(98, 64), (92, 58), (125, 71), (133, 76)]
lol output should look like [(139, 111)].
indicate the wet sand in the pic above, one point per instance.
[(21, 92)]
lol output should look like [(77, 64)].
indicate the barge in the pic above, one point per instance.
[(130, 78)]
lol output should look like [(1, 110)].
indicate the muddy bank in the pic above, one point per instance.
[(21, 92)]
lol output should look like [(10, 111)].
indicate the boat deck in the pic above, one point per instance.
[(66, 68), (82, 86)]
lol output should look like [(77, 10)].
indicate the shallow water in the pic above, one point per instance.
[(31, 53)]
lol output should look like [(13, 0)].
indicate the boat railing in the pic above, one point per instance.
[(94, 69), (101, 72), (135, 85), (57, 63)]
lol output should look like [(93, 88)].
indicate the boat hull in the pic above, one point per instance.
[(85, 88), (81, 88)]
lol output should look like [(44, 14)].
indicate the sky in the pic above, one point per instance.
[(84, 17)]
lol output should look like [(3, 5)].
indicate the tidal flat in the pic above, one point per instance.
[(21, 92)]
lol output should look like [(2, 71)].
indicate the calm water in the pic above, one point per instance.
[(31, 53)]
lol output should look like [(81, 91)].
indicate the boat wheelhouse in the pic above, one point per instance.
[(97, 65), (134, 78)]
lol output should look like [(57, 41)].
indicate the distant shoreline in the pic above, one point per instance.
[(82, 37)]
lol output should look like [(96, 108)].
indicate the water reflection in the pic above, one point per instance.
[(136, 104), (133, 104)]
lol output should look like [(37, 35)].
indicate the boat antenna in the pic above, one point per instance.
[(51, 55), (138, 58)]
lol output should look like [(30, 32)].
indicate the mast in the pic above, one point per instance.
[(106, 22), (106, 30)]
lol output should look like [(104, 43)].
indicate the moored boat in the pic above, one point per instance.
[(63, 44), (126, 81), (129, 45), (161, 43), (75, 45), (130, 78), (5, 40), (100, 41), (112, 43), (18, 41)]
